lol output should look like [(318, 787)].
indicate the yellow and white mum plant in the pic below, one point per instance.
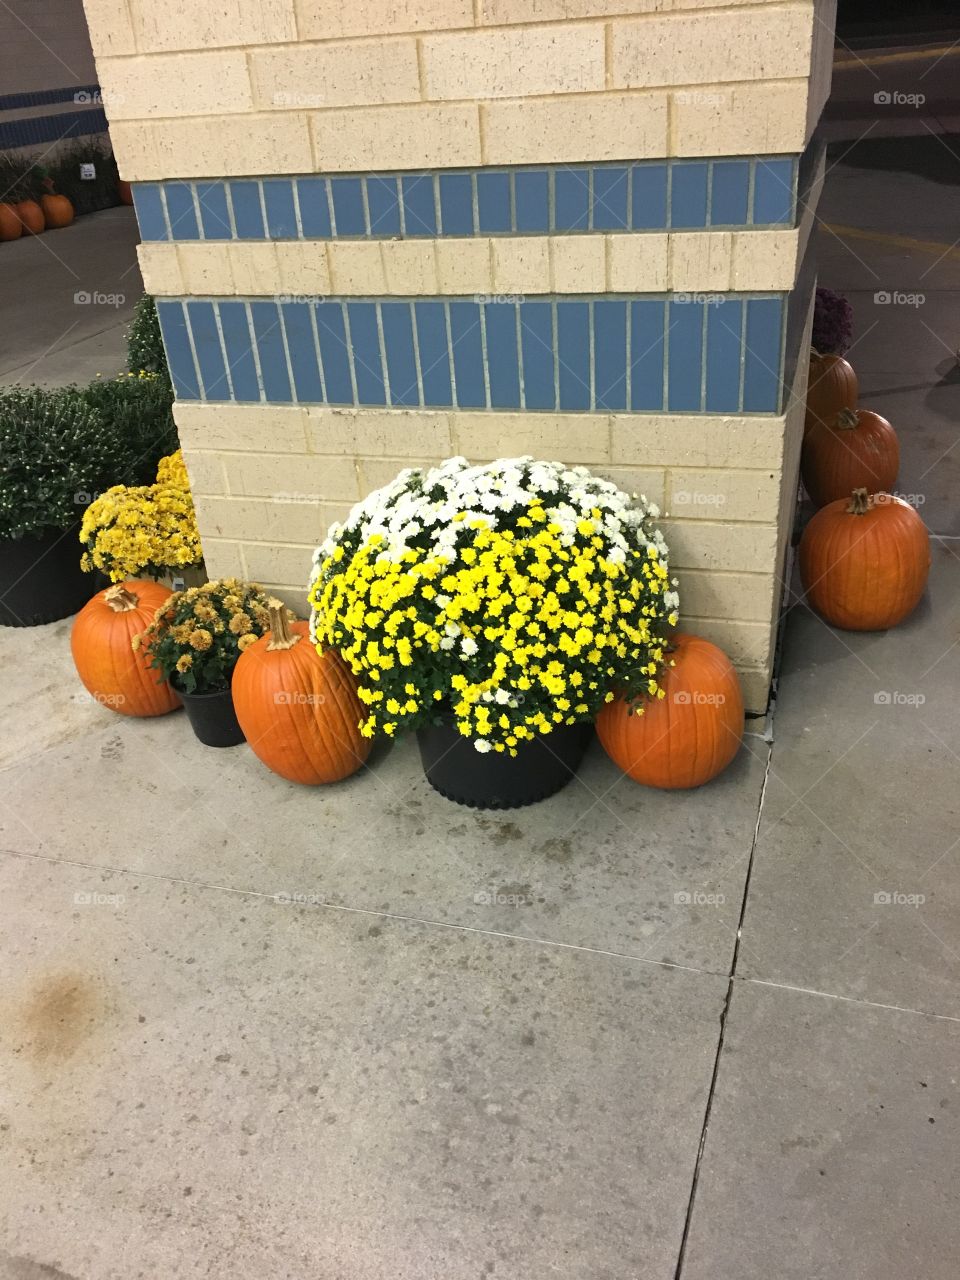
[(518, 595)]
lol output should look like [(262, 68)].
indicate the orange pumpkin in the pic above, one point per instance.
[(31, 216), (11, 228), (298, 708), (864, 561), (57, 210), (691, 734), (859, 450), (831, 386), (104, 657), (124, 191)]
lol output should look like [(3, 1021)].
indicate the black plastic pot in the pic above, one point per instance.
[(212, 717), (41, 579), (497, 780)]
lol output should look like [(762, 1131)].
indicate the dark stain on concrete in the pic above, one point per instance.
[(59, 1014)]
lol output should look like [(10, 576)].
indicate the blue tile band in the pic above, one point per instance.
[(686, 353), (650, 195)]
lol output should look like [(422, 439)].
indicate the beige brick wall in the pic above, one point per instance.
[(284, 86)]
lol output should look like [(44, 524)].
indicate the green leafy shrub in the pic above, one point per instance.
[(144, 342), (22, 176), (56, 453), (139, 408)]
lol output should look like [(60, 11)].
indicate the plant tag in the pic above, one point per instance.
[(88, 172), (178, 582)]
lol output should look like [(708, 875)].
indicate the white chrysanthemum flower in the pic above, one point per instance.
[(468, 646), (482, 745)]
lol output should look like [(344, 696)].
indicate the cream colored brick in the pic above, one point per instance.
[(426, 135), (336, 75), (184, 24), (223, 559), (603, 126), (821, 61), (700, 260), (755, 687), (709, 594), (646, 482), (206, 472), (160, 269), (742, 119), (410, 266), (356, 267), (714, 494), (111, 29), (267, 427), (234, 145), (521, 264), (289, 479), (376, 472), (135, 147), (500, 12), (769, 41), (746, 643), (281, 565), (688, 440), (205, 268), (702, 544), (574, 439), (186, 84), (464, 266), (259, 519), (294, 597), (253, 265), (399, 433), (302, 267), (578, 264), (332, 19), (638, 263), (515, 62), (764, 260)]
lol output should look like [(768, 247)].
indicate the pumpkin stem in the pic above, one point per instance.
[(846, 420), (815, 354), (281, 637), (120, 599), (859, 503)]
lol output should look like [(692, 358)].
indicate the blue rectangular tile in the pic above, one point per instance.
[(571, 199), (314, 208), (383, 204), (148, 204), (684, 356), (761, 358), (181, 211), (688, 195), (214, 215), (493, 201), (270, 352), (532, 200), (456, 204), (434, 353), (247, 213), (206, 344), (467, 355), (236, 341), (573, 354), (399, 352), (646, 355), (773, 191), (610, 354), (503, 361), (176, 340), (334, 354), (281, 214), (302, 346), (649, 198), (365, 348), (724, 326), (419, 207), (536, 347), (348, 206), (610, 191), (730, 195)]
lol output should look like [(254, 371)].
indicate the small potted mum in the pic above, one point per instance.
[(494, 609), (195, 641)]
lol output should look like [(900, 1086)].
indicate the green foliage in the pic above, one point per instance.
[(144, 343), (22, 176), (139, 408), (56, 453)]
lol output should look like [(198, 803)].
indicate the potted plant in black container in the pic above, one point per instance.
[(494, 609), (195, 641), (56, 453)]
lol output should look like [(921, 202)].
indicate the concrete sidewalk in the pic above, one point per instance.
[(254, 1030)]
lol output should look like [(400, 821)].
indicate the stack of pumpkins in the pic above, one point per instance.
[(30, 217), (865, 555)]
